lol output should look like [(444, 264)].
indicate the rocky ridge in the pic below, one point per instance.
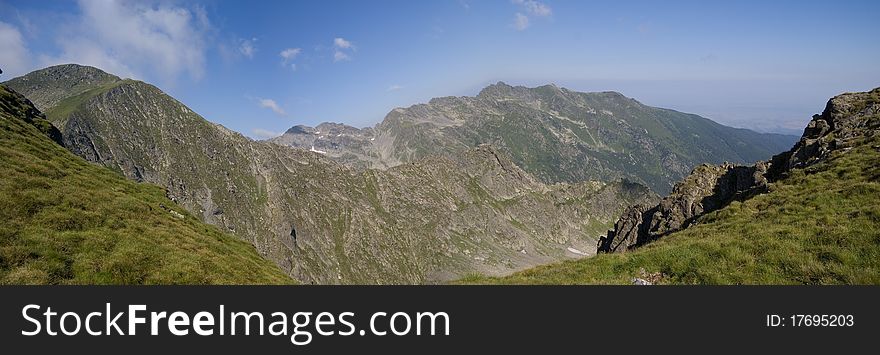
[(847, 118), (428, 220), (551, 132)]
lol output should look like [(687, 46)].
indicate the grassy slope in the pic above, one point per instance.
[(818, 226), (64, 221)]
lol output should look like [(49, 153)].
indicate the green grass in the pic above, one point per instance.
[(65, 221), (59, 113), (820, 225)]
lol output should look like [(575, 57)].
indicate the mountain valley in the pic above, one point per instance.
[(472, 187)]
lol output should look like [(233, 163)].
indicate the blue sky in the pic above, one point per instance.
[(260, 67)]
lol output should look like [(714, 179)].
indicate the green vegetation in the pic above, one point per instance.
[(820, 225), (65, 221), (58, 114)]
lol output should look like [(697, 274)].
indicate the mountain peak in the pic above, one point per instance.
[(300, 129), (46, 87), (71, 70), (502, 89), (499, 88)]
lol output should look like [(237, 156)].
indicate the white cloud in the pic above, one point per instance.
[(265, 133), (290, 53), (14, 55), (342, 49), (520, 21), (272, 105), (339, 42), (136, 38), (530, 7), (248, 47), (533, 7), (340, 56), (394, 87)]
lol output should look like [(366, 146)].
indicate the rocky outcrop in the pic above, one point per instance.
[(17, 105), (847, 118), (706, 189)]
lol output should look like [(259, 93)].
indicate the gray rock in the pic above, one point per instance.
[(706, 189), (640, 282), (846, 119)]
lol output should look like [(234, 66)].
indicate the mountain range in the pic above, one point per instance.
[(510, 179), (553, 133), (809, 215)]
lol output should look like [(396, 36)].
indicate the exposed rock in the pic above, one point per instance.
[(706, 189), (17, 105), (846, 118), (552, 133), (640, 282), (429, 220)]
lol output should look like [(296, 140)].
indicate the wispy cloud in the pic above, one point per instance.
[(520, 21), (342, 49), (341, 43), (289, 55), (272, 105), (248, 47), (15, 57), (136, 38), (394, 87), (531, 8), (265, 133), (339, 56)]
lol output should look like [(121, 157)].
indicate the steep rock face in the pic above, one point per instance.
[(553, 133), (428, 220), (846, 119), (706, 189), (19, 107)]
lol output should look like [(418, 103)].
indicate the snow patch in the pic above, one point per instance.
[(317, 151), (575, 251)]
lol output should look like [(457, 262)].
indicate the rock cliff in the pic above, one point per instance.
[(847, 118)]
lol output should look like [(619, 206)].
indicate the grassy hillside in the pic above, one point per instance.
[(65, 221), (820, 225)]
